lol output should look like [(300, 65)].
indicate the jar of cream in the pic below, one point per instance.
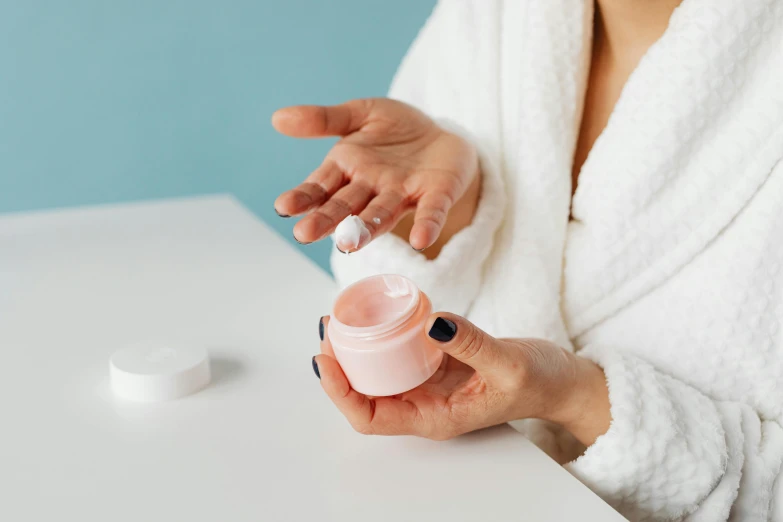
[(377, 333)]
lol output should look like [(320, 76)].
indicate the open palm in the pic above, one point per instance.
[(391, 160)]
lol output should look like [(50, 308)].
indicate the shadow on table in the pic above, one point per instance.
[(225, 370)]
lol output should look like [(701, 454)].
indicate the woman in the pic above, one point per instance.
[(601, 186)]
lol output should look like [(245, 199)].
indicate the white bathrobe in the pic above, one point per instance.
[(669, 276)]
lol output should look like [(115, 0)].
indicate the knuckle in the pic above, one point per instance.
[(402, 196), (364, 429), (313, 190), (470, 345), (449, 424), (340, 206), (432, 218), (435, 210), (519, 375), (514, 382), (325, 217), (323, 117), (361, 109), (438, 215), (368, 104), (440, 200), (443, 433), (519, 363), (382, 213), (383, 216)]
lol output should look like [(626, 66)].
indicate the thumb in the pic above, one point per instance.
[(465, 342), (312, 121)]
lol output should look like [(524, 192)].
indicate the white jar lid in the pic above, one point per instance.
[(158, 371)]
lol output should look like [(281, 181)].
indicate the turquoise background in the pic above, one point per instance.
[(107, 101)]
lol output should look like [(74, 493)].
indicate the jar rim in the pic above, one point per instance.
[(378, 331)]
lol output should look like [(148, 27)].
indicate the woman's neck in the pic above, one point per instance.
[(623, 31), (627, 28)]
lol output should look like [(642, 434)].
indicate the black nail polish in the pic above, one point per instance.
[(321, 328), (315, 368), (281, 215), (443, 330)]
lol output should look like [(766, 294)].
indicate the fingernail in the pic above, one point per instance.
[(418, 249), (338, 249), (315, 368), (300, 242), (443, 330), (321, 328), (281, 215)]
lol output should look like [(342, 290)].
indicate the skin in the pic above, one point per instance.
[(481, 382), (623, 31), (424, 183), (393, 163)]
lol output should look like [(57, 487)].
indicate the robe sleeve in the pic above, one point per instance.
[(437, 77), (672, 453)]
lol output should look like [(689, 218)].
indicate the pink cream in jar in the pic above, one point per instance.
[(377, 333)]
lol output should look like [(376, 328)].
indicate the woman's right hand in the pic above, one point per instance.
[(394, 167)]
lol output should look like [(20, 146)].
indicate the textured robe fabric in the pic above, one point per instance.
[(670, 274)]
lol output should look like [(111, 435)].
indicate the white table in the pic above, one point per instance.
[(262, 442)]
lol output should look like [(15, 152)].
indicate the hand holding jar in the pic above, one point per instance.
[(479, 382)]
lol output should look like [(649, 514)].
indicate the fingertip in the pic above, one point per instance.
[(465, 342), (315, 369), (442, 326), (275, 118), (282, 205), (281, 118), (326, 344), (423, 235), (319, 363), (364, 239), (344, 249), (291, 203), (445, 315), (333, 379), (298, 121), (305, 231)]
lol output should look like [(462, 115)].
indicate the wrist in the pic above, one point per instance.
[(585, 410)]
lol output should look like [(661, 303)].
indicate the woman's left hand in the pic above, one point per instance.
[(482, 382)]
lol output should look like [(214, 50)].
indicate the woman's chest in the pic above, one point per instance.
[(605, 83)]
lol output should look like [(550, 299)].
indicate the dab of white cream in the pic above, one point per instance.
[(396, 287), (376, 220), (351, 232)]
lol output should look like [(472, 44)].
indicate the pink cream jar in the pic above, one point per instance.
[(377, 333)]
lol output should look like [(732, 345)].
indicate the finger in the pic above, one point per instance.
[(465, 342), (317, 188), (312, 121), (351, 199), (326, 344), (383, 213), (378, 416), (431, 213)]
